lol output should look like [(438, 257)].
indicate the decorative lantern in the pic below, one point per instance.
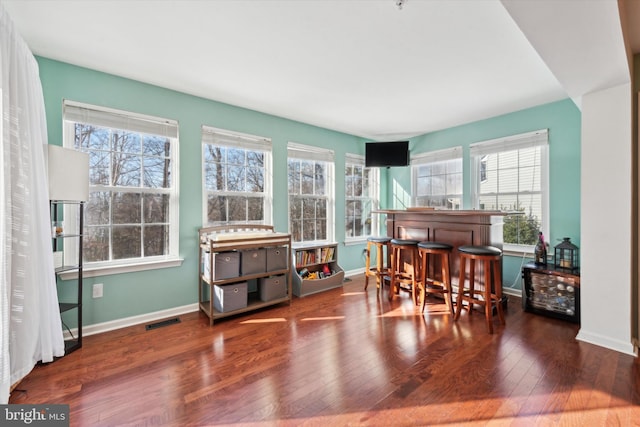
[(566, 255)]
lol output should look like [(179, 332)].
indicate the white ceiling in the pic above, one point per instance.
[(364, 67)]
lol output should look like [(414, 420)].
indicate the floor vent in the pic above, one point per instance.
[(162, 323)]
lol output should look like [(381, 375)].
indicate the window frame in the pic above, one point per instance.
[(113, 119), (310, 153), (373, 197), (232, 139), (431, 158), (479, 150)]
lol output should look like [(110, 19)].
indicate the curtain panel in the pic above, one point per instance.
[(30, 329)]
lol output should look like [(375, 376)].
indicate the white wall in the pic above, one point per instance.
[(605, 252)]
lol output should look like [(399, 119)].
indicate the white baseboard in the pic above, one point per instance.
[(602, 341), (354, 272), (99, 328)]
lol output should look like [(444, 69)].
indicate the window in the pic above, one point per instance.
[(311, 186), (437, 179), (361, 194), (237, 178), (132, 212), (510, 174)]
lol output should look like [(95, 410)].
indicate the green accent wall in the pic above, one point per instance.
[(562, 119), (131, 294)]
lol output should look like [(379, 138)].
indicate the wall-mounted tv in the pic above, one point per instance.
[(386, 154)]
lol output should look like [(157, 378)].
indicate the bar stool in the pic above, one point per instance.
[(401, 272), (492, 292), (429, 251), (379, 271)]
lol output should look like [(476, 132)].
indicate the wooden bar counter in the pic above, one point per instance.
[(460, 227)]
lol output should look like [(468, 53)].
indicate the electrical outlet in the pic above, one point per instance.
[(97, 290)]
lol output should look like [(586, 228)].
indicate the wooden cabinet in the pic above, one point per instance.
[(224, 274), (63, 238), (551, 291), (316, 269)]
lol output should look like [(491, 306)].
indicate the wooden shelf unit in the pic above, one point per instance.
[(313, 258), (229, 238)]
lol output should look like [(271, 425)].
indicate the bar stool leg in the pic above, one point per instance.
[(487, 297), (461, 281), (497, 274), (394, 268), (380, 268), (367, 265), (416, 267), (423, 279), (472, 283), (446, 277)]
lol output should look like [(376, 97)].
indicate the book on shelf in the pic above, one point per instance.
[(327, 254), (314, 256)]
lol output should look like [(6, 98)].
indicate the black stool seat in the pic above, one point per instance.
[(379, 239), (404, 242), (435, 245), (479, 250)]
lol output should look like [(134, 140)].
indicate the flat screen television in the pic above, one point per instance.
[(386, 154)]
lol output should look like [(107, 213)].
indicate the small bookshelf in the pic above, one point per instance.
[(316, 269)]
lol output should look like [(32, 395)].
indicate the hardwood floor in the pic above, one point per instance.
[(341, 358)]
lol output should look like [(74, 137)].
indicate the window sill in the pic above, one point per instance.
[(517, 250), (357, 241), (122, 268)]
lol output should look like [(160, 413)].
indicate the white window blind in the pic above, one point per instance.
[(117, 119), (436, 156), (309, 152), (354, 159), (509, 143), (215, 136)]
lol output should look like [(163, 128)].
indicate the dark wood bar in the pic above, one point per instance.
[(457, 228)]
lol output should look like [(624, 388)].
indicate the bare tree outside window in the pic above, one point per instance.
[(234, 184), (127, 215), (308, 199), (360, 200)]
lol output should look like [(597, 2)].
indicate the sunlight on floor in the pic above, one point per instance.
[(323, 318), (348, 294), (449, 414), (270, 320)]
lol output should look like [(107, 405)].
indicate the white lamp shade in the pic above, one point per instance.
[(68, 172)]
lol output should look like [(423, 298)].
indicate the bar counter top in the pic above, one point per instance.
[(432, 211)]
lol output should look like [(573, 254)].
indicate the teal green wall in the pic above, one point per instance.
[(562, 119), (143, 292)]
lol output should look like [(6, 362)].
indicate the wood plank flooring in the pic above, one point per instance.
[(343, 358)]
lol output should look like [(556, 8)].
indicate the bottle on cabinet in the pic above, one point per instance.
[(540, 251)]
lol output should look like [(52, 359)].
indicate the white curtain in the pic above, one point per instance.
[(31, 328)]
